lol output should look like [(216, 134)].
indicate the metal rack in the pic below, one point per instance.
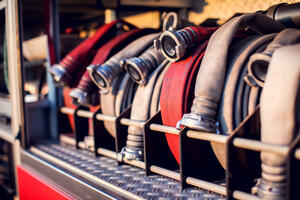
[(153, 126), (105, 145)]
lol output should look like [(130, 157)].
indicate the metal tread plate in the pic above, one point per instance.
[(126, 177)]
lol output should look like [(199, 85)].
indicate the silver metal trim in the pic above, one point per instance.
[(61, 171), (82, 173)]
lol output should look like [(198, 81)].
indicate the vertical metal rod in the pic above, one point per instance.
[(54, 96)]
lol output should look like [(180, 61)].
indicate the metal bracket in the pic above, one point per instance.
[(240, 174), (204, 166), (101, 136), (121, 132), (81, 126), (157, 153)]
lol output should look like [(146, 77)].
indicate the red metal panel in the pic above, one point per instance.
[(33, 187)]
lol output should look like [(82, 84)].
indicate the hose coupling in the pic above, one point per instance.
[(140, 67), (60, 75), (198, 122), (80, 97), (103, 76), (132, 153), (174, 44)]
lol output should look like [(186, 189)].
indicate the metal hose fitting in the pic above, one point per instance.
[(259, 62), (81, 97), (73, 65), (60, 75), (173, 22), (174, 44), (140, 67), (211, 75), (287, 14), (141, 111), (280, 115), (103, 75)]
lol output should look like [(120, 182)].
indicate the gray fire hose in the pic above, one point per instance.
[(280, 114)]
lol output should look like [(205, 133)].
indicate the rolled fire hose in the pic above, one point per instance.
[(141, 111), (211, 75), (71, 68), (85, 93), (140, 67), (104, 75), (259, 62), (109, 95), (176, 99), (280, 118), (238, 96)]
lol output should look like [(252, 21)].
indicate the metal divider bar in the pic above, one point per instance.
[(237, 142), (67, 110)]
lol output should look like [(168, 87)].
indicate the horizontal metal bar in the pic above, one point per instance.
[(66, 110), (207, 136), (107, 153), (84, 113), (260, 146), (83, 146), (2, 4), (130, 122), (245, 196), (164, 129), (101, 117), (237, 142), (67, 139), (6, 133), (165, 172), (206, 185), (240, 142)]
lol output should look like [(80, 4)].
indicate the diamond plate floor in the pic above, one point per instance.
[(127, 177)]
